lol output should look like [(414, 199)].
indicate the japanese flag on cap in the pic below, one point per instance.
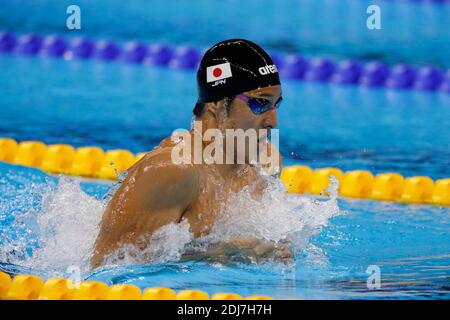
[(218, 72)]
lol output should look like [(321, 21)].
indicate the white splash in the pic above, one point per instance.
[(166, 244), (69, 218), (67, 227), (276, 217)]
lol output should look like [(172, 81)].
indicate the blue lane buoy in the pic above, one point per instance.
[(82, 47), (107, 50), (293, 67), (7, 41), (401, 77), (54, 46), (428, 78), (374, 74), (134, 52), (158, 54), (320, 69), (29, 44), (185, 58), (347, 71)]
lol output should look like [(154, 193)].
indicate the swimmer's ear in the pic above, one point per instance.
[(212, 108), (209, 116), (215, 112)]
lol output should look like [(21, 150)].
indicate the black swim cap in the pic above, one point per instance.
[(234, 66)]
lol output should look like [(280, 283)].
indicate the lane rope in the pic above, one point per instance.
[(32, 287), (296, 67), (94, 162)]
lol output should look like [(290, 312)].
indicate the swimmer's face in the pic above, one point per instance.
[(240, 116)]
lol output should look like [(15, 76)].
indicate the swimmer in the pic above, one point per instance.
[(238, 88)]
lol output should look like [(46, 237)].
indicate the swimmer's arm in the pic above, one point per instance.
[(244, 249), (255, 246), (274, 165), (272, 168)]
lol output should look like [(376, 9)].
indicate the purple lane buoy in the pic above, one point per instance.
[(320, 69), (374, 74), (293, 67), (185, 58), (445, 86), (134, 52), (158, 54), (428, 78), (107, 50), (277, 61), (401, 77), (54, 46), (82, 47), (7, 41), (29, 44), (347, 71)]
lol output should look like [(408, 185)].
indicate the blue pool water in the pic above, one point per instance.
[(89, 102), (47, 223), (415, 32), (410, 245)]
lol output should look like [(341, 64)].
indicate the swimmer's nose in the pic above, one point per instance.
[(270, 119)]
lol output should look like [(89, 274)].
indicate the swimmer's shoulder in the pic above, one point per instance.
[(161, 157), (158, 174), (161, 153)]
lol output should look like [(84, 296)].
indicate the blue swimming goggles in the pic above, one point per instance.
[(259, 105)]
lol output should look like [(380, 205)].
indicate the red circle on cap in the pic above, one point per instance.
[(217, 72)]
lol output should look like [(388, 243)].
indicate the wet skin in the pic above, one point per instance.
[(157, 192)]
